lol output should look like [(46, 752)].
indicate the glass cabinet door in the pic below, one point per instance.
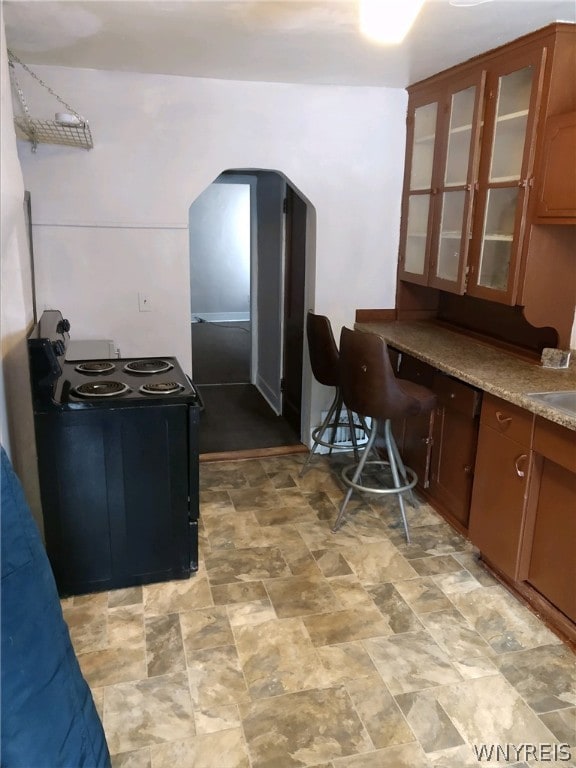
[(455, 195), (417, 234), (504, 182), (418, 202)]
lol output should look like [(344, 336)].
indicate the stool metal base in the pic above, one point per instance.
[(404, 478), (331, 423)]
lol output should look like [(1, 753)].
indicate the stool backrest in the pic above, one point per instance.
[(369, 385), (324, 357)]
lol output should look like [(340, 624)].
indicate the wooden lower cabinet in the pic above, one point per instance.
[(414, 435), (441, 446), (454, 441), (506, 479), (500, 489), (550, 538)]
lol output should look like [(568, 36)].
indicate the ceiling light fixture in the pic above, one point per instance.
[(388, 21), (467, 3)]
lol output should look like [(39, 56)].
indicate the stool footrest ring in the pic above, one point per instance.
[(334, 426), (413, 479)]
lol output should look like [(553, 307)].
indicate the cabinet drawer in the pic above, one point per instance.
[(456, 395), (556, 443), (507, 419), (415, 370)]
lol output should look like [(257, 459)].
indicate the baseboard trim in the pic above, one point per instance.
[(254, 453)]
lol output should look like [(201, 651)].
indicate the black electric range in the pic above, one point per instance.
[(117, 446)]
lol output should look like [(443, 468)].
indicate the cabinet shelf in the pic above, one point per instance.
[(512, 116), (429, 138), (504, 238), (460, 129)]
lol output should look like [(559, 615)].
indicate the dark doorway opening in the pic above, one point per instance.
[(249, 368)]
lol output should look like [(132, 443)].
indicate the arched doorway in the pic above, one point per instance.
[(247, 323)]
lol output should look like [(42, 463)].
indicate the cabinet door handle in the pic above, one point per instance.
[(521, 458), (501, 419)]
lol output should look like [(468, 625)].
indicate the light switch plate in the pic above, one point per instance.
[(144, 302), (555, 358)]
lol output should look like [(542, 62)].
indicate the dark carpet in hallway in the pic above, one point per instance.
[(221, 353), (237, 418)]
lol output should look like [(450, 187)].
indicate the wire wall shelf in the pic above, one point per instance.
[(68, 128), (50, 132)]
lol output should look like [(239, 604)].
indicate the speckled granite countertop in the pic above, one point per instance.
[(482, 365)]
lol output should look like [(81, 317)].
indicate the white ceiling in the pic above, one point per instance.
[(291, 41)]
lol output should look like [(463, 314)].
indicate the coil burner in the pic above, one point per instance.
[(95, 367), (147, 367), (161, 388), (101, 389)]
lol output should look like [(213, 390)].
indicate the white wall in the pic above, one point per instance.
[(16, 421), (159, 142), (219, 225), (112, 222)]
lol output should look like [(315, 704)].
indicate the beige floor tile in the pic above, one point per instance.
[(164, 647), (224, 531), (468, 651), (343, 626), (430, 566), (278, 657), (345, 662), (225, 749), (503, 622), (411, 662), (350, 592), (242, 592), (488, 710), (175, 596), (113, 665), (545, 677), (216, 719), (403, 756), (123, 597), (139, 758), (399, 615), (379, 712), (300, 596), (147, 712), (205, 628), (303, 729), (423, 595), (240, 565), (378, 563), (216, 678)]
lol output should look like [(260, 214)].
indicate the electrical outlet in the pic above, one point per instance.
[(144, 302)]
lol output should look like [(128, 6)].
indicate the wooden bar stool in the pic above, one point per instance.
[(371, 389), (325, 362)]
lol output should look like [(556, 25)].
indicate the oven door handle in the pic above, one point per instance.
[(196, 393)]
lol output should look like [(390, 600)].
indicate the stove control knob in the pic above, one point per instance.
[(59, 348), (63, 326)]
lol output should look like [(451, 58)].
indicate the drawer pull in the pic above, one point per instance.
[(503, 419), (521, 458)]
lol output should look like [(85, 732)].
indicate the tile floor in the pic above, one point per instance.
[(293, 646)]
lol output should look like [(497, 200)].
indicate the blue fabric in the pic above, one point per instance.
[(48, 718)]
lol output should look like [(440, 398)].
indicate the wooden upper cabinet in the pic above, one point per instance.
[(513, 97), (556, 191), (419, 175), (470, 171), (441, 171), (459, 152)]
